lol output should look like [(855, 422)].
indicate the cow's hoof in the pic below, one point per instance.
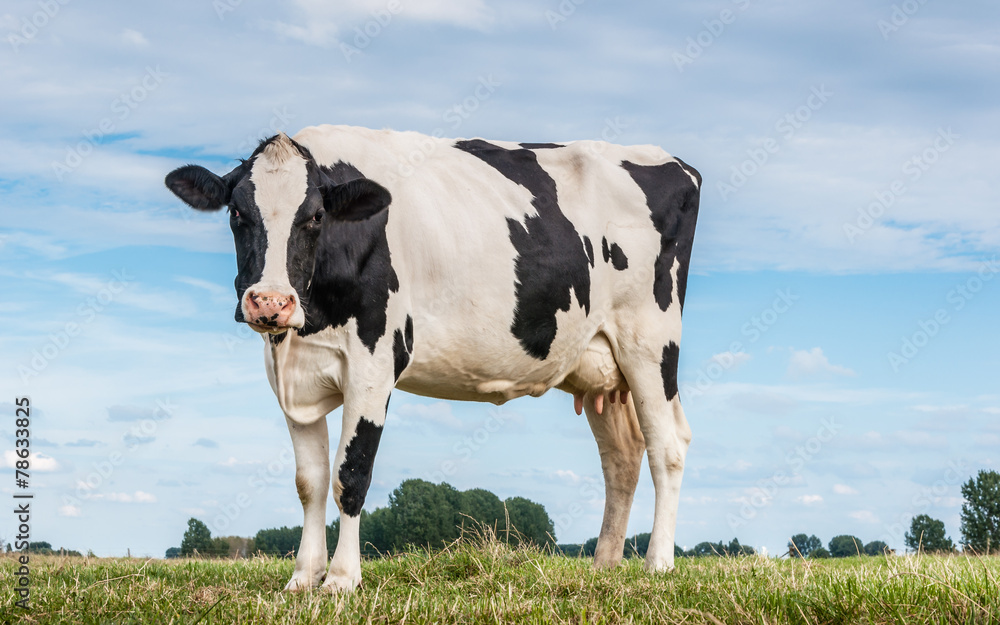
[(604, 564), (301, 582), (335, 584), (658, 565)]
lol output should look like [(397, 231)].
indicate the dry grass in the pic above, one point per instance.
[(484, 581)]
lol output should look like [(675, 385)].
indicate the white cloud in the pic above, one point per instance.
[(136, 497), (872, 439), (844, 489), (742, 465), (766, 403), (217, 291), (704, 499), (134, 38), (38, 462), (123, 287), (814, 362), (809, 500), (69, 510), (921, 439), (952, 410), (568, 476), (731, 360), (865, 516), (31, 242), (358, 22), (437, 413), (988, 441)]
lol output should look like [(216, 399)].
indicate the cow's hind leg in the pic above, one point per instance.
[(312, 479), (620, 444), (667, 435)]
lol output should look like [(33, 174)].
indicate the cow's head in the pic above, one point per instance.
[(280, 201)]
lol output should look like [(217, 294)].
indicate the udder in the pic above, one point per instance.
[(596, 377)]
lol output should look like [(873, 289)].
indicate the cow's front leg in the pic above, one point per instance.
[(352, 474), (312, 479)]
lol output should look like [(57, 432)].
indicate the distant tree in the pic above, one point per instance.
[(423, 514), (374, 537), (218, 548), (706, 548), (420, 514), (638, 545), (819, 553), (876, 548), (734, 548), (981, 513), (802, 545), (173, 552), (197, 538), (45, 548), (481, 506), (679, 551), (845, 546), (40, 547), (281, 542), (590, 547), (927, 534), (530, 520), (239, 546)]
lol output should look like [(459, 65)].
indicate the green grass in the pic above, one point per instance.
[(488, 582)]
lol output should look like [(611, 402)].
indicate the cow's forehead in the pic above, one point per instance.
[(280, 182), (280, 179)]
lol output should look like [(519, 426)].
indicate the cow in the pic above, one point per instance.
[(461, 269)]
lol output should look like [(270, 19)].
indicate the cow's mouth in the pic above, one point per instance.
[(267, 328)]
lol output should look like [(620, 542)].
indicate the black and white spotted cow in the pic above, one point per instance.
[(489, 271)]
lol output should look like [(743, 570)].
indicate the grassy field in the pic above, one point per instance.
[(487, 582)]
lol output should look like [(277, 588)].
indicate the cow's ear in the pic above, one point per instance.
[(356, 200), (200, 188)]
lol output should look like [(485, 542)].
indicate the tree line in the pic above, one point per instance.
[(422, 514), (44, 548), (637, 545), (980, 529)]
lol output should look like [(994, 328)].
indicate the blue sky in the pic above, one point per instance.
[(840, 344)]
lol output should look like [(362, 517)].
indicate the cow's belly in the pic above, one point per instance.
[(489, 364)]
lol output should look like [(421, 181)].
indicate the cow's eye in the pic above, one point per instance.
[(318, 217)]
